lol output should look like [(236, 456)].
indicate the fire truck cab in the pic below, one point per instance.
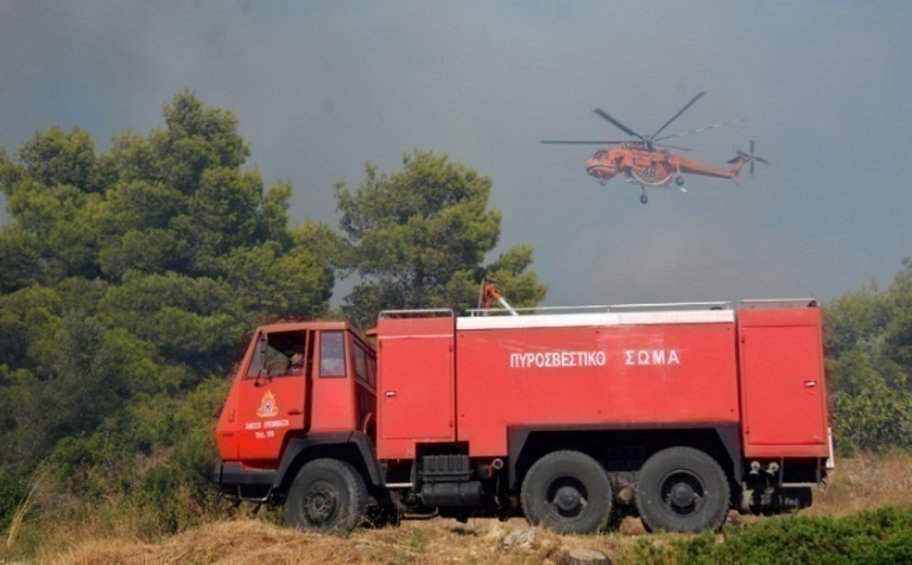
[(574, 417)]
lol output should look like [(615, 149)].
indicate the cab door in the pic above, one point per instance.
[(272, 397)]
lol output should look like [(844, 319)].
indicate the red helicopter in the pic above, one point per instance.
[(646, 162)]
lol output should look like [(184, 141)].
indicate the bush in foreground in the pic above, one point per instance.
[(880, 536)]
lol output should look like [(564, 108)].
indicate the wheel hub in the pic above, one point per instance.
[(682, 495), (683, 492), (320, 503), (567, 498)]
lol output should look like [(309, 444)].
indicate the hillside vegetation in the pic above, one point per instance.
[(869, 365)]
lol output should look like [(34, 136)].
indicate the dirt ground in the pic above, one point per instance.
[(857, 484)]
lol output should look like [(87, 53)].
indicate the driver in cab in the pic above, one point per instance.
[(296, 362)]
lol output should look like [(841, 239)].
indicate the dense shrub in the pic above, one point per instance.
[(882, 536), (868, 340), (12, 491)]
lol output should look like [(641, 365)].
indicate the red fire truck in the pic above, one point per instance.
[(574, 417)]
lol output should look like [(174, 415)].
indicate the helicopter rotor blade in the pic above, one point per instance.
[(681, 111), (580, 142), (762, 160), (605, 115), (752, 147), (752, 168), (702, 129)]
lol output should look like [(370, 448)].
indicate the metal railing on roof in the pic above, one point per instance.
[(538, 310), (594, 309), (548, 310), (418, 313), (757, 303)]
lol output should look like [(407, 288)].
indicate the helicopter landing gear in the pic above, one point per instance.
[(603, 182), (643, 198)]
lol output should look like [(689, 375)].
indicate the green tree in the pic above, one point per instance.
[(419, 238), (899, 329), (128, 279), (869, 363), (857, 320)]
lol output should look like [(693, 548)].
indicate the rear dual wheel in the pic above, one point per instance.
[(567, 492), (682, 489)]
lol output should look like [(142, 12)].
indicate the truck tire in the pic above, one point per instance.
[(327, 495), (682, 489), (567, 492)]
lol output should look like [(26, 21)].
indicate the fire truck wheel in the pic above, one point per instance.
[(327, 495), (567, 492), (682, 489)]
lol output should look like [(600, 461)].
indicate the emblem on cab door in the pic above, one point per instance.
[(268, 407)]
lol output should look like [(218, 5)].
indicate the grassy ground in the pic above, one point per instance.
[(858, 484), (865, 482)]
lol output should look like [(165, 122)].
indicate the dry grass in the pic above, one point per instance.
[(857, 484), (436, 541), (865, 482)]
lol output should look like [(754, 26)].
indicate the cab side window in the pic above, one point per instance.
[(363, 362), (332, 354), (358, 360), (279, 355), (372, 369)]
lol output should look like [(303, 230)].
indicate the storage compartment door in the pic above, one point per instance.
[(783, 381), (416, 382)]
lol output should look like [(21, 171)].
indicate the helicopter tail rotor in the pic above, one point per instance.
[(748, 158)]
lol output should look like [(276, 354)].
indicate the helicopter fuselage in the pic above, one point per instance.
[(650, 168)]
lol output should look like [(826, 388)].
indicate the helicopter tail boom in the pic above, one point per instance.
[(739, 163)]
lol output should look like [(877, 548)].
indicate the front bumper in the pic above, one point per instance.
[(231, 476)]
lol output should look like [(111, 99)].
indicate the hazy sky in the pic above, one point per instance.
[(321, 87)]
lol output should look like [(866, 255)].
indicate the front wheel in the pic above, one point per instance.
[(327, 495), (682, 489), (567, 492)]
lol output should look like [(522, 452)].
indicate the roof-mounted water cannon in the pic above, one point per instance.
[(490, 295)]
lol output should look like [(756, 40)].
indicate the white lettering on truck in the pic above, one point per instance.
[(555, 359), (635, 357), (563, 359)]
